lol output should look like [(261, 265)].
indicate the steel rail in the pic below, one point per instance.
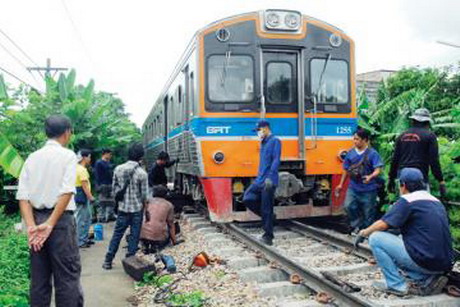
[(312, 279), (347, 245)]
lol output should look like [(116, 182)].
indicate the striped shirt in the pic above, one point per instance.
[(138, 189)]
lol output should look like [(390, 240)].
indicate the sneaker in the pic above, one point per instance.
[(266, 241), (85, 245), (107, 265), (436, 285), (90, 242), (381, 286)]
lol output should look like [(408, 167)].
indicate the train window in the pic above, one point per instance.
[(279, 83), (230, 78), (334, 82), (192, 94)]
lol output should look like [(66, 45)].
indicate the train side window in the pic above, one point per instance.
[(334, 82), (230, 78), (279, 83), (192, 94)]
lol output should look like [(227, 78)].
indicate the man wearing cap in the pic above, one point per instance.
[(417, 147), (260, 195), (424, 252)]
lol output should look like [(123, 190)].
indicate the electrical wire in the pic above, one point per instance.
[(17, 60), (18, 79), (77, 33), (22, 50)]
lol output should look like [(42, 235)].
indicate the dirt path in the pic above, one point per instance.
[(101, 287)]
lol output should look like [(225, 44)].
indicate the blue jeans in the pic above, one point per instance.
[(83, 216), (260, 201), (125, 220), (361, 208), (392, 256)]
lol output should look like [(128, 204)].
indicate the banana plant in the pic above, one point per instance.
[(10, 160)]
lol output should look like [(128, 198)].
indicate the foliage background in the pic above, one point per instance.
[(438, 90), (99, 119)]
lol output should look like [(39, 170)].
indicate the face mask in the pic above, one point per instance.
[(260, 134)]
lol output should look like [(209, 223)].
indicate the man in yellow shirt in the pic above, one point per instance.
[(83, 197)]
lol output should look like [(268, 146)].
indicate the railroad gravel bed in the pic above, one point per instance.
[(218, 283)]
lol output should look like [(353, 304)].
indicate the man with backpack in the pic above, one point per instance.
[(130, 187), (363, 165)]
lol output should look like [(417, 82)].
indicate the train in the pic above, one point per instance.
[(293, 70)]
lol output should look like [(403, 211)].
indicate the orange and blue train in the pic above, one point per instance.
[(293, 70)]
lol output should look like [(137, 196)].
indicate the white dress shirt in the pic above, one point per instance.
[(48, 173)]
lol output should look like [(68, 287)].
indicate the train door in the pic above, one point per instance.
[(283, 93)]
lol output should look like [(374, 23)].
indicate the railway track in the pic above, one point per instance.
[(324, 260)]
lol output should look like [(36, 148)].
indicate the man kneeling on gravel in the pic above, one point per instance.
[(158, 228), (424, 252)]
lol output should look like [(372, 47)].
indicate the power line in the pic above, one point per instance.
[(77, 33), (448, 44), (19, 79), (17, 60), (17, 46), (20, 49)]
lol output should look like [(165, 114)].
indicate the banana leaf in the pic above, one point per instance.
[(10, 160), (3, 91)]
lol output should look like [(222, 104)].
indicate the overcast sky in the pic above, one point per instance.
[(131, 47)]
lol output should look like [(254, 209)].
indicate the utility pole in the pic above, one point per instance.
[(48, 69)]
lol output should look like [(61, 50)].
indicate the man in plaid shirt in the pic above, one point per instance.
[(131, 208)]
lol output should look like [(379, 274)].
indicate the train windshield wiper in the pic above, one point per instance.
[(321, 76), (223, 76)]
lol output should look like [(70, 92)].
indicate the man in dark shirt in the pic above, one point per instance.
[(417, 147), (157, 175), (103, 174), (260, 195), (424, 252)]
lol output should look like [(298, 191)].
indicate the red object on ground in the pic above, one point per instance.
[(219, 197)]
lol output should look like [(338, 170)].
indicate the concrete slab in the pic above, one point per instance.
[(229, 252), (101, 287), (299, 303), (282, 289), (262, 274), (239, 263), (349, 269)]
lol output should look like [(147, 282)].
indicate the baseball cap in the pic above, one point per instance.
[(410, 174), (261, 123)]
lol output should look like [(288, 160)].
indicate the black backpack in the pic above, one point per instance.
[(357, 171)]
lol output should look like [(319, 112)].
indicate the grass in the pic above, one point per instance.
[(14, 264)]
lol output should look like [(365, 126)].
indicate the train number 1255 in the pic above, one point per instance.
[(344, 130)]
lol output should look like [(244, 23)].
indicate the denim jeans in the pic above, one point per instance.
[(260, 201), (83, 216), (361, 208), (392, 256), (125, 220)]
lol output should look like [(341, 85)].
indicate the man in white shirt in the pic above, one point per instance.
[(45, 194)]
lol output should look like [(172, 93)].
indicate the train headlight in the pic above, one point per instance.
[(342, 155), (272, 20), (218, 157), (335, 40), (282, 20), (292, 21)]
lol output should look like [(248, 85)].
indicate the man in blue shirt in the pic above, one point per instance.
[(103, 175), (363, 165), (424, 252), (260, 196)]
